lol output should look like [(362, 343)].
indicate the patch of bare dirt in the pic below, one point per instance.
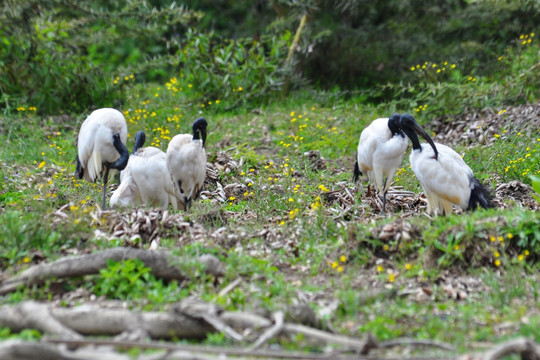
[(479, 127), (515, 192)]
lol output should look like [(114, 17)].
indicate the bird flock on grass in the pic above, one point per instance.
[(148, 177), (445, 178), (151, 177)]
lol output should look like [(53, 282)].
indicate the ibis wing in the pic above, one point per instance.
[(127, 194), (448, 177)]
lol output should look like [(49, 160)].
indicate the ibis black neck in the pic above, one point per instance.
[(122, 161), (140, 138)]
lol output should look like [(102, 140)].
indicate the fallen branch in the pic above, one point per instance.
[(33, 315), (162, 264), (24, 350), (230, 287), (193, 319), (96, 320), (362, 346), (415, 342), (197, 349), (272, 332), (248, 320), (527, 349), (207, 312)]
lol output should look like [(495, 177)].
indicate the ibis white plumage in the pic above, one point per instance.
[(101, 144), (444, 176), (186, 162), (380, 150), (145, 180)]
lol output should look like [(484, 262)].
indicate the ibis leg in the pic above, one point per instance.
[(384, 202), (105, 178)]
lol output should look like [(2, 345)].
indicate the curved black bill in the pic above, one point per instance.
[(411, 128)]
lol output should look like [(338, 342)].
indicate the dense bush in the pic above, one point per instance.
[(360, 44), (232, 71), (446, 88), (62, 56)]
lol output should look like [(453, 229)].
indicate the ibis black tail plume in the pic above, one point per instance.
[(79, 171), (480, 196), (356, 173)]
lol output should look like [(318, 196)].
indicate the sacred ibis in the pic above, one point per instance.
[(186, 161), (380, 150), (145, 180), (101, 144), (444, 176)]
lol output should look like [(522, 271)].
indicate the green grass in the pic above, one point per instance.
[(280, 236)]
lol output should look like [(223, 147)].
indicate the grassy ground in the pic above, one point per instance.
[(294, 227)]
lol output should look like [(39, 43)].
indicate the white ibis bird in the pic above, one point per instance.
[(145, 180), (186, 162), (101, 144), (444, 176), (380, 151)]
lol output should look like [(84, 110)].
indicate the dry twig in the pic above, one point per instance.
[(275, 330)]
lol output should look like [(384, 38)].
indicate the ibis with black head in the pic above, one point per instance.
[(186, 162), (101, 146), (443, 174)]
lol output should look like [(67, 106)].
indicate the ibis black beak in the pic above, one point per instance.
[(203, 136), (422, 133), (411, 128)]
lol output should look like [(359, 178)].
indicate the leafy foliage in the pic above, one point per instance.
[(21, 237), (232, 71), (286, 237), (62, 56), (536, 187), (445, 88), (129, 279)]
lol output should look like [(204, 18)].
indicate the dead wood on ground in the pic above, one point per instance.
[(183, 321), (191, 321), (102, 348), (163, 264)]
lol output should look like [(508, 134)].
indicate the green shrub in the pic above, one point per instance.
[(233, 72), (63, 57), (124, 280), (446, 88)]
